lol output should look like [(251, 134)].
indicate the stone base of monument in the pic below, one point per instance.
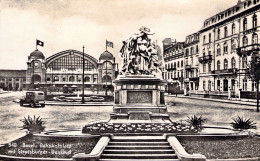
[(139, 98)]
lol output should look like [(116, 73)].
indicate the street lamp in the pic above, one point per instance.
[(83, 70)]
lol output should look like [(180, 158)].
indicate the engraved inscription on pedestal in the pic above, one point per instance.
[(139, 97), (134, 115)]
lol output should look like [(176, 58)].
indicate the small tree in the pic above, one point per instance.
[(254, 74)]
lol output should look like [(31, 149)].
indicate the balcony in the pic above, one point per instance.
[(188, 67), (225, 71), (180, 79), (249, 31), (205, 59), (171, 69), (194, 79), (248, 50)]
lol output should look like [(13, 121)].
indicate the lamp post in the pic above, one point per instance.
[(83, 70)]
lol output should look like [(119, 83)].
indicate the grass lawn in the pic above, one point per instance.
[(49, 147), (221, 147)]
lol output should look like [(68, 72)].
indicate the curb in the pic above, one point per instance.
[(79, 104), (216, 100)]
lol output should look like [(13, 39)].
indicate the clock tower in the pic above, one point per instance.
[(36, 71)]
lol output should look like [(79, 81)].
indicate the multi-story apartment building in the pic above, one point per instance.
[(222, 68), (191, 63), (217, 57), (174, 65)]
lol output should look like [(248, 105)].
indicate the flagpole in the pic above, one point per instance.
[(106, 45), (36, 44)]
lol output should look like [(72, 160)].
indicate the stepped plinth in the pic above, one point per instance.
[(139, 98)]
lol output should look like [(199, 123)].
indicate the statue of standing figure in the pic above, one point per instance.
[(139, 54)]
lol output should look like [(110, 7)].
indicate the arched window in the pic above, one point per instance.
[(225, 64), (225, 32), (178, 64), (233, 28), (204, 53), (107, 65), (209, 37), (56, 78), (87, 79), (254, 38), (218, 65), (218, 50), (218, 35), (187, 52), (204, 39), (244, 62), (225, 48), (36, 78), (245, 41), (245, 24), (254, 20), (71, 78), (106, 78), (233, 63)]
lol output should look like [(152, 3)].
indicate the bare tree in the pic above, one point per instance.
[(253, 73)]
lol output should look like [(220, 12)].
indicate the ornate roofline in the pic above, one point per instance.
[(62, 53)]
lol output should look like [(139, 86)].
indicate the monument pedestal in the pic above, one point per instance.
[(139, 98)]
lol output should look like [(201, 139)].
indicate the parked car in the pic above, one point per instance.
[(33, 98)]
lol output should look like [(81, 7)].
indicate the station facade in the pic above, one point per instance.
[(63, 71)]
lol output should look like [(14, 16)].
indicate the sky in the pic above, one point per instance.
[(70, 24)]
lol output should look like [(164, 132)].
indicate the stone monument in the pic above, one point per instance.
[(139, 88)]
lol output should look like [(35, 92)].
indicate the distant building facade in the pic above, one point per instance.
[(12, 80), (191, 63), (173, 71), (63, 71), (214, 63)]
